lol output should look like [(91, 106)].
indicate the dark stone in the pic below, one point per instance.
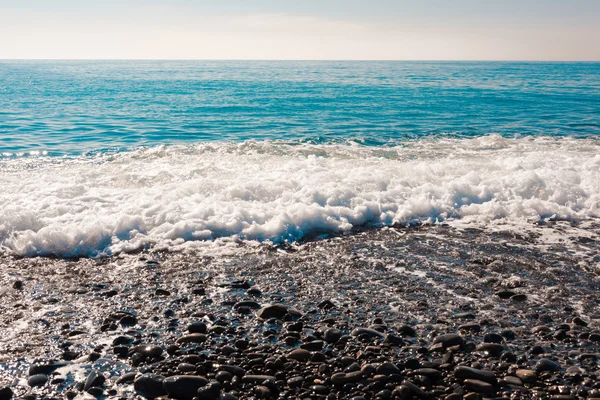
[(449, 340), (462, 372), (93, 379), (518, 297), (122, 340), (407, 330), (371, 333), (387, 368), (315, 345), (505, 294), (492, 338), (18, 285), (150, 386), (197, 327), (184, 387), (332, 335), (299, 355), (393, 340), (546, 365), (247, 304), (126, 378), (128, 320), (272, 311), (478, 386), (192, 338), (256, 379), (224, 376), (149, 350), (326, 305), (46, 369), (37, 380), (491, 349), (6, 393)]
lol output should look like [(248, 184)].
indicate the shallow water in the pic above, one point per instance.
[(100, 158)]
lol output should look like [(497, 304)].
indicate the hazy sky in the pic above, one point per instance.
[(302, 29)]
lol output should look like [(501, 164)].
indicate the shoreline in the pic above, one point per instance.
[(403, 289)]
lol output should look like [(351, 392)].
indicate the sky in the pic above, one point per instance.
[(536, 30)]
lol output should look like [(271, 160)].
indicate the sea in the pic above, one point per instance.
[(100, 158)]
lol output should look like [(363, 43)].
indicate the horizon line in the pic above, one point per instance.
[(303, 59)]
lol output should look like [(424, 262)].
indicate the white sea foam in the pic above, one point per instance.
[(211, 193)]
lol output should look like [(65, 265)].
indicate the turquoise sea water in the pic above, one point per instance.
[(71, 107), (103, 157)]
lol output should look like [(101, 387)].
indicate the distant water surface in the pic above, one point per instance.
[(71, 107)]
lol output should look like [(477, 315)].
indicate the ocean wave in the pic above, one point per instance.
[(214, 193)]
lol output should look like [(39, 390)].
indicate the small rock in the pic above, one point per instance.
[(184, 387), (546, 365), (478, 386), (449, 340), (299, 355), (37, 380), (272, 311), (462, 372), (150, 386), (192, 338), (526, 375), (197, 327)]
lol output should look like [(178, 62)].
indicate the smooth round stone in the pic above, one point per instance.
[(393, 340), (46, 368), (123, 340), (384, 394), (492, 338), (512, 380), (299, 355), (37, 380), (184, 387), (526, 375), (256, 378), (449, 340), (387, 368), (6, 393), (192, 338), (428, 372), (149, 350), (315, 345), (95, 391), (478, 386), (197, 327), (272, 311), (546, 365), (332, 335), (94, 379), (371, 333), (224, 376), (185, 367), (518, 297), (319, 389), (295, 381), (508, 334), (127, 378), (462, 372), (491, 349), (505, 294), (407, 330), (150, 386)]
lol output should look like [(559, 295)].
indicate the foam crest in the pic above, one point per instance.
[(176, 196)]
